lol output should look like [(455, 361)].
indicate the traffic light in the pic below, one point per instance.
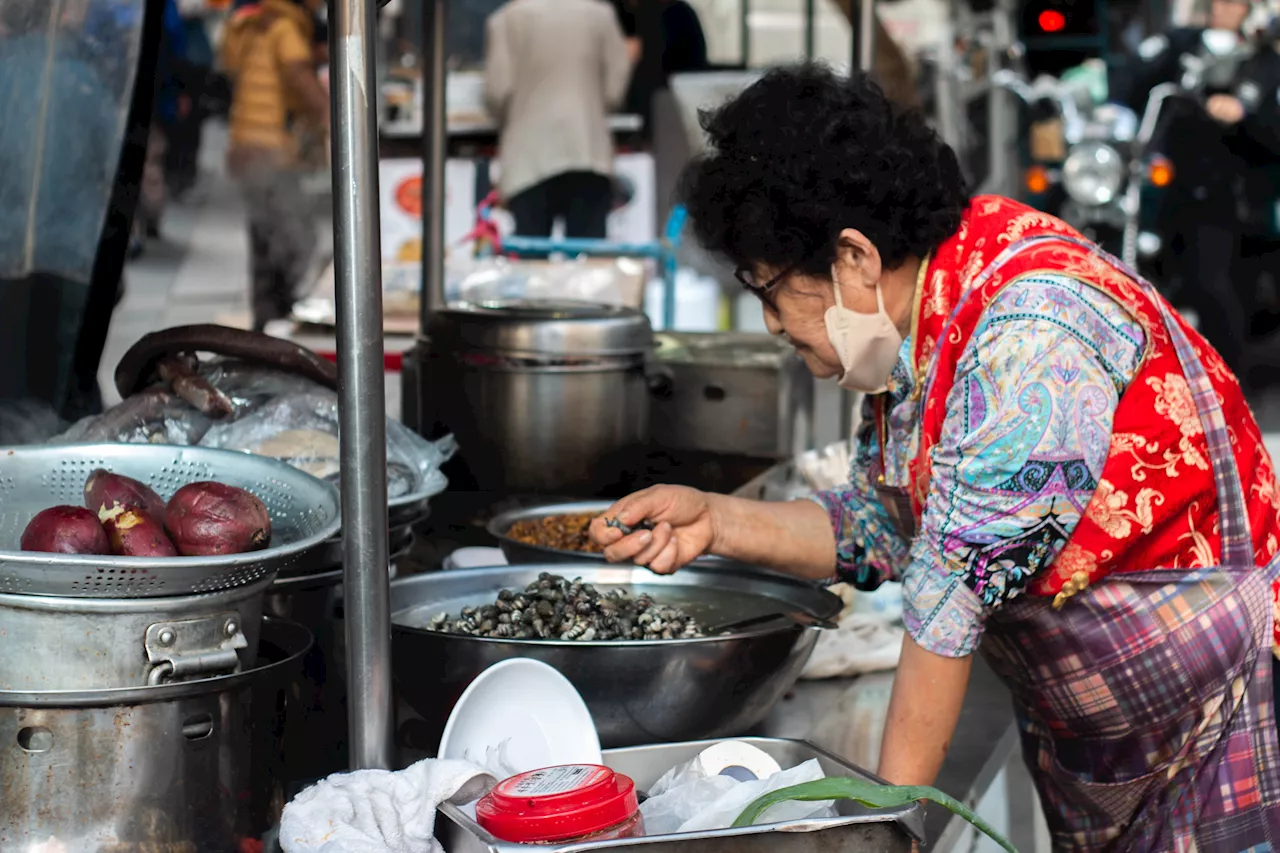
[(1060, 18)]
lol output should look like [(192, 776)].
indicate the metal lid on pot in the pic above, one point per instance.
[(544, 327)]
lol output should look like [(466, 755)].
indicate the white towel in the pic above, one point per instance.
[(863, 643), (378, 811)]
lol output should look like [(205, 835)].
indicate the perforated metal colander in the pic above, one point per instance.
[(304, 513)]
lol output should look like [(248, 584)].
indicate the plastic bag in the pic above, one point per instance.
[(274, 413), (616, 281), (686, 801)]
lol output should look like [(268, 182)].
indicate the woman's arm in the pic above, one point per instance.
[(794, 537), (791, 537), (928, 693)]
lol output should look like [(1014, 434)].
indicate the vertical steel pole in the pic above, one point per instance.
[(434, 141), (810, 28), (867, 36), (362, 404)]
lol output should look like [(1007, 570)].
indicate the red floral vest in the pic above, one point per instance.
[(1155, 506)]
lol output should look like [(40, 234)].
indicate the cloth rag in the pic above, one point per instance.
[(379, 811), (861, 644)]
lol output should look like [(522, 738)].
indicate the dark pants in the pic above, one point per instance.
[(582, 199), (282, 239), (1206, 263)]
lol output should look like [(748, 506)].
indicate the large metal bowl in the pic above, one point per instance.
[(637, 691), (521, 553)]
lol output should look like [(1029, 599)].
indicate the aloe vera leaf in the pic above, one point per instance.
[(868, 794)]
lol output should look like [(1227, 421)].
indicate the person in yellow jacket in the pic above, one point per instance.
[(268, 54)]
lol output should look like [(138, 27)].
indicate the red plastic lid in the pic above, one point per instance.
[(557, 803)]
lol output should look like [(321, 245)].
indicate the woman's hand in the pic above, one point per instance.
[(793, 537), (684, 528)]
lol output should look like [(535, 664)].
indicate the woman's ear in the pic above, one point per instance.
[(856, 255)]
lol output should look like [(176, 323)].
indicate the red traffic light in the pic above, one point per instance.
[(1052, 21)]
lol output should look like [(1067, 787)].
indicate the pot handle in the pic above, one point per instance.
[(206, 646), (660, 379)]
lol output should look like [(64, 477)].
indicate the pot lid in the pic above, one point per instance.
[(544, 327), (723, 349)]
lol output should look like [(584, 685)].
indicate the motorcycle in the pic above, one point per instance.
[(1089, 168)]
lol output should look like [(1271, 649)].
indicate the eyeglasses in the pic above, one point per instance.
[(762, 291)]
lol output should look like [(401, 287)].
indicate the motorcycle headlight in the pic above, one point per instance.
[(1093, 174)]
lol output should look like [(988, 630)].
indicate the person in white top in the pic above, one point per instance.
[(554, 70)]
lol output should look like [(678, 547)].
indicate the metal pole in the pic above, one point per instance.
[(745, 34), (361, 391), (810, 12), (434, 151), (867, 36)]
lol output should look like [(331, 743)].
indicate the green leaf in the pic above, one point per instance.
[(870, 795)]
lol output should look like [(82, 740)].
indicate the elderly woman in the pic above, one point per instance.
[(1061, 472)]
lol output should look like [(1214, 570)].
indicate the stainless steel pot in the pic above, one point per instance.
[(56, 643), (189, 767), (541, 396), (638, 692)]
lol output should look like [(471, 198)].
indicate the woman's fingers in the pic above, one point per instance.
[(629, 511), (625, 549), (666, 563), (662, 535), (601, 533)]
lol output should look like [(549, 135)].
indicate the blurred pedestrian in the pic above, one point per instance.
[(554, 70), (269, 53), (155, 191)]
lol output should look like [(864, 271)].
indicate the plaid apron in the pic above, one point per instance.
[(1145, 700)]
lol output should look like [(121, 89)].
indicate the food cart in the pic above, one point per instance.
[(816, 712), (987, 736)]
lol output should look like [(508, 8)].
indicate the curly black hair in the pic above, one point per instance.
[(804, 153)]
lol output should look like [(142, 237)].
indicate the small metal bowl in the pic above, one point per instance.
[(522, 553)]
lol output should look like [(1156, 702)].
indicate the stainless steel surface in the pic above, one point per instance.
[(401, 520), (303, 510), (518, 553), (540, 429), (637, 691), (363, 427), (542, 329), (857, 829), (732, 393), (434, 151), (54, 643), (184, 767)]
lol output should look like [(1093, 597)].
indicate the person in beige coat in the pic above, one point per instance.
[(554, 70)]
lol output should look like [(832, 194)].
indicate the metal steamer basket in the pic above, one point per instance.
[(89, 622), (186, 767), (856, 828), (637, 691)]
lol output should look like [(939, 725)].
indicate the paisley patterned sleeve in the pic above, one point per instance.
[(1023, 445), (869, 550)]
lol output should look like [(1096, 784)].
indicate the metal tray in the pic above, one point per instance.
[(519, 553), (637, 691), (304, 513), (857, 829)]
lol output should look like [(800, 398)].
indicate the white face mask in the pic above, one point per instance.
[(866, 344)]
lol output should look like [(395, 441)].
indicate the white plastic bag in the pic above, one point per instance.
[(690, 802)]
